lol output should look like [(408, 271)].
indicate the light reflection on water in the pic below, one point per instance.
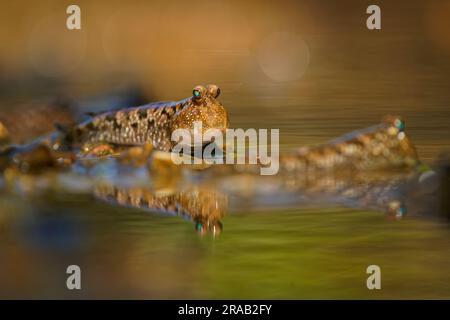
[(271, 247), (300, 253), (276, 252)]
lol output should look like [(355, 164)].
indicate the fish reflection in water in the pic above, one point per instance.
[(204, 207), (206, 196), (360, 191), (205, 203), (329, 175)]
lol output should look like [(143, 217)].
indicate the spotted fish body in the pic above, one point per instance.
[(152, 123), (382, 146), (385, 146), (132, 126)]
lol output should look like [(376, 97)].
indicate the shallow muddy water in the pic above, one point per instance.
[(270, 247)]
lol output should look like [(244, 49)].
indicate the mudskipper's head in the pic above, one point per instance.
[(395, 124), (398, 148), (202, 108)]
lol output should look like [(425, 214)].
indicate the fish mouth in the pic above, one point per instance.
[(198, 150)]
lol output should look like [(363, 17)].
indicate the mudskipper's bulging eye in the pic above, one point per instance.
[(399, 124), (213, 90), (197, 94)]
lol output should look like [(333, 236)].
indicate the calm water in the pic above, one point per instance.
[(351, 81), (276, 252)]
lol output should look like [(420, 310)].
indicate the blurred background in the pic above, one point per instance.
[(309, 67)]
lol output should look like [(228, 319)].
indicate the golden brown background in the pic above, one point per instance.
[(310, 68)]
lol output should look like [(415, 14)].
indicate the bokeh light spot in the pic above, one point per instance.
[(283, 56)]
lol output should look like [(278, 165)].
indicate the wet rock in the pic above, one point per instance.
[(33, 158)]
